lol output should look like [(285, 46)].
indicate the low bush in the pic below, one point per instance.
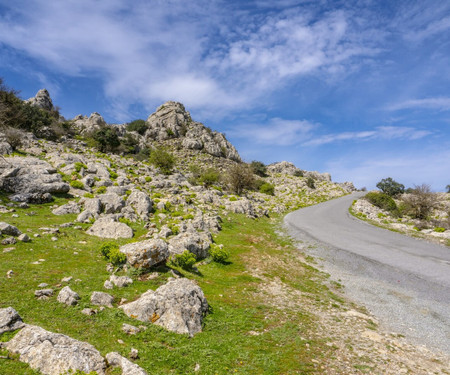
[(240, 177), (381, 200), (259, 168), (267, 188), (14, 137), (186, 260), (310, 183), (298, 173), (209, 177), (218, 253), (79, 166), (139, 126), (101, 190), (163, 160), (76, 184), (439, 229), (106, 248), (111, 252)]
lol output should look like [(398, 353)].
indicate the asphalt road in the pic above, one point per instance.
[(404, 282)]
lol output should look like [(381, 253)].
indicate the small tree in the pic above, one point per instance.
[(391, 187), (139, 126), (310, 183), (106, 139), (240, 177), (420, 201), (259, 168)]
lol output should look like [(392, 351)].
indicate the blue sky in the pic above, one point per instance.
[(360, 89)]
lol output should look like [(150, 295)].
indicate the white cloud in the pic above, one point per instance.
[(276, 132), (438, 103), (205, 53), (381, 132)]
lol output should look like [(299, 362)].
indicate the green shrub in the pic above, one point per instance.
[(116, 257), (310, 183), (240, 177), (88, 195), (79, 166), (267, 188), (218, 253), (298, 173), (232, 198), (106, 248), (391, 187), (101, 190), (259, 168), (106, 139), (163, 160), (148, 179), (77, 184), (185, 260), (209, 177), (382, 201), (139, 126), (439, 229)]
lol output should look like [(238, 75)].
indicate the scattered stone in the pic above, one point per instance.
[(68, 296), (129, 329), (24, 237), (128, 367), (108, 284), (42, 285), (147, 253), (141, 203), (9, 274), (10, 320), (88, 311), (102, 299), (178, 306), (67, 279), (54, 353), (8, 229), (43, 293), (54, 239), (121, 281), (134, 354), (8, 249), (9, 241)]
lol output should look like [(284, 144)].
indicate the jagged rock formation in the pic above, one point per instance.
[(42, 100), (86, 124), (171, 120)]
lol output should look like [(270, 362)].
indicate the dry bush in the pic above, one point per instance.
[(240, 177), (420, 202), (14, 137)]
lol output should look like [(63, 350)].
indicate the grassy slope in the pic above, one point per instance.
[(251, 329)]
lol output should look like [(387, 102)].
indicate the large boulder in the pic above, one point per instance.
[(9, 229), (128, 367), (145, 254), (10, 320), (197, 243), (178, 306), (141, 203), (107, 227), (41, 100), (30, 178), (111, 203), (54, 353)]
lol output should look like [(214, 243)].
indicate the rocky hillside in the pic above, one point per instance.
[(119, 241)]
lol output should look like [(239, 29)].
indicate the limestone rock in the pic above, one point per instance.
[(10, 320), (41, 100), (145, 254), (30, 178), (69, 208), (121, 281), (86, 124), (102, 299), (141, 203), (128, 367), (43, 293), (197, 243), (24, 237), (283, 167), (9, 229), (54, 353), (108, 228), (178, 306), (129, 329), (68, 296), (111, 203)]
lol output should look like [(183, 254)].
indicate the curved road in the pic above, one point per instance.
[(404, 282)]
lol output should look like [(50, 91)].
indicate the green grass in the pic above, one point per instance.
[(237, 305)]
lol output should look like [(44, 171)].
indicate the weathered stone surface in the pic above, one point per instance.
[(86, 124), (145, 254), (121, 281), (68, 296), (43, 293), (24, 237), (242, 206), (69, 208), (41, 100), (108, 228), (128, 367), (141, 203), (5, 148), (178, 306), (129, 329), (10, 320), (28, 176), (54, 353), (111, 203), (283, 167), (197, 243), (102, 299), (8, 229)]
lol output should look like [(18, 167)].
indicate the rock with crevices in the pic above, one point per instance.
[(10, 320)]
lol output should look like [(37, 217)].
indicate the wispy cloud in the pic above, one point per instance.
[(276, 131), (439, 103), (381, 132)]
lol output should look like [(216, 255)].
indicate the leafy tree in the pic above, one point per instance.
[(240, 177), (106, 139), (259, 168), (139, 126), (391, 187), (381, 200)]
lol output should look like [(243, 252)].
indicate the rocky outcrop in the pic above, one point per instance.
[(171, 120), (29, 178), (197, 243), (108, 227), (41, 100), (283, 167), (86, 124), (10, 320), (145, 254), (128, 367), (54, 353), (178, 306)]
